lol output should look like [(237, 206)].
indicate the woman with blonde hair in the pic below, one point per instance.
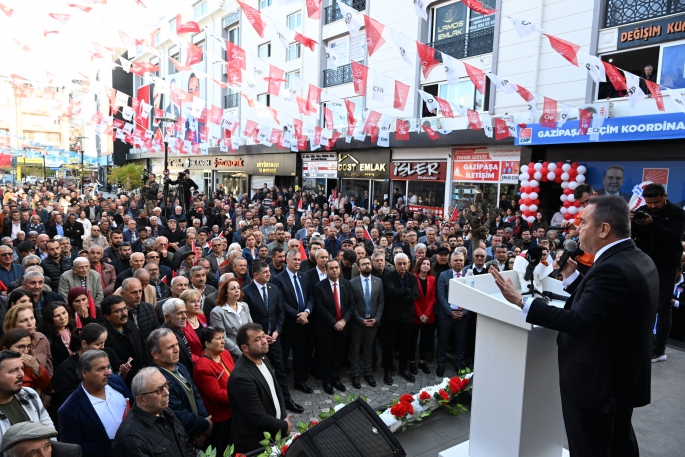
[(196, 321), (22, 316), (230, 313)]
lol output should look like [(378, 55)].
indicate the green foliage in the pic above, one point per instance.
[(129, 176)]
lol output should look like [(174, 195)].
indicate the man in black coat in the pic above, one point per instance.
[(333, 302), (605, 332), (54, 265), (267, 308), (256, 399), (401, 291)]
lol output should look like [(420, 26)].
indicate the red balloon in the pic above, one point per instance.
[(520, 201), (528, 189), (567, 204), (528, 201), (536, 202), (557, 180), (568, 191), (572, 173), (576, 204), (536, 189), (531, 168), (568, 216), (527, 213), (575, 165), (559, 165), (558, 171)]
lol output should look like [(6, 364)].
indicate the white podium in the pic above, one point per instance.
[(516, 408)]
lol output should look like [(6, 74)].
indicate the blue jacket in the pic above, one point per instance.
[(80, 424), (442, 307), (127, 234), (179, 404), (15, 272)]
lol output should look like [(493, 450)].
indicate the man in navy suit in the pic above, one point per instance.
[(92, 414), (605, 332), (294, 288), (267, 308), (333, 302)]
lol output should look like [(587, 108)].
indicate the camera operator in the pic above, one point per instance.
[(657, 228), (187, 184), (150, 192)]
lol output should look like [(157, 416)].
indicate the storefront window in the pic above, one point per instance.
[(234, 182), (354, 187), (314, 185), (463, 194), (428, 193), (381, 191)]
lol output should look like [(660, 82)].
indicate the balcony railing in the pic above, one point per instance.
[(231, 101), (332, 13), (342, 75), (619, 12), (471, 44)]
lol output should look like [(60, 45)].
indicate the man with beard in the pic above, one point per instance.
[(108, 275), (112, 252), (54, 266), (124, 261)]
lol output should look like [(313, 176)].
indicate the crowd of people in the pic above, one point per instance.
[(132, 329)]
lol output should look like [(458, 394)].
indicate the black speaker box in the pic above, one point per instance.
[(354, 431)]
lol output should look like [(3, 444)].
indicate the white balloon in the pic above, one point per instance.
[(525, 183), (563, 197), (564, 184), (565, 176), (537, 175), (571, 198), (533, 183), (524, 207), (552, 166), (533, 208), (572, 185), (563, 210), (566, 167), (524, 195), (582, 170), (524, 168), (533, 195), (538, 166), (524, 177), (573, 210), (531, 219), (551, 176), (580, 178)]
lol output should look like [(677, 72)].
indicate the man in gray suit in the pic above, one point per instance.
[(81, 275), (217, 256), (366, 317)]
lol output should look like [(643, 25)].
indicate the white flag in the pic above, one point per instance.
[(404, 44), (502, 84), (217, 38), (125, 64), (635, 94), (533, 115), (563, 116), (335, 103), (264, 134), (283, 33), (523, 27), (332, 58), (594, 66), (429, 100), (597, 122), (420, 7), (127, 113), (486, 120), (262, 110), (381, 85), (351, 17), (144, 109), (121, 99), (677, 97), (452, 67), (197, 107)]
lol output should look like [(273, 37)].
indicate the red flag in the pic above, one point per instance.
[(313, 98), (431, 133), (6, 9), (91, 305), (194, 54), (254, 17), (188, 27), (474, 120), (179, 66), (371, 122), (349, 105), (455, 214), (478, 7), (402, 130), (584, 121), (374, 34), (317, 135), (308, 42), (297, 124), (194, 246), (350, 128), (328, 117), (568, 50), (524, 93), (139, 68), (427, 58), (215, 114), (302, 105), (549, 113), (250, 127), (477, 77), (360, 74), (303, 253), (62, 18), (401, 95), (366, 234), (501, 129), (48, 32), (236, 56), (313, 9), (655, 89), (275, 79), (302, 142), (276, 135), (615, 76), (445, 107)]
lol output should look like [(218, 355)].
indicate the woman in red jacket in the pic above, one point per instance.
[(211, 379), (195, 322), (424, 318)]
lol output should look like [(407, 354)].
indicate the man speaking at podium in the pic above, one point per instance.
[(605, 332)]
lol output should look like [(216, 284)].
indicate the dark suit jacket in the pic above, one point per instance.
[(80, 424), (276, 312), (7, 228), (605, 331), (402, 298), (312, 277), (252, 406), (376, 303), (290, 296), (324, 312), (127, 273)]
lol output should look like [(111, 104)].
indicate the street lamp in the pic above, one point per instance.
[(81, 138), (165, 173)]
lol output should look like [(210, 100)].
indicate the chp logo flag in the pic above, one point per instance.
[(314, 9), (478, 7), (635, 94), (374, 34), (275, 79), (430, 101), (566, 49), (549, 113), (486, 120), (401, 95), (476, 76), (307, 42), (474, 120), (584, 121), (431, 133), (524, 28), (349, 106), (526, 135), (427, 58), (615, 76), (360, 74), (186, 27), (655, 90), (403, 44), (254, 17), (194, 54), (451, 65), (402, 130), (351, 17), (501, 129)]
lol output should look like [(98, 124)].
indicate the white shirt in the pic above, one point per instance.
[(455, 274), (110, 410), (270, 381), (322, 274)]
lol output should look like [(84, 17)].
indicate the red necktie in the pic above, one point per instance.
[(338, 315)]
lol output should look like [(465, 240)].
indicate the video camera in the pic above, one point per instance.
[(146, 176)]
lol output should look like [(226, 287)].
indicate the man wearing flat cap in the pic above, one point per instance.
[(33, 439)]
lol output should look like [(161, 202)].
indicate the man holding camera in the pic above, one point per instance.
[(657, 228), (187, 184), (150, 192)]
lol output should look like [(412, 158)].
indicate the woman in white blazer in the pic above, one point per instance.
[(230, 314)]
